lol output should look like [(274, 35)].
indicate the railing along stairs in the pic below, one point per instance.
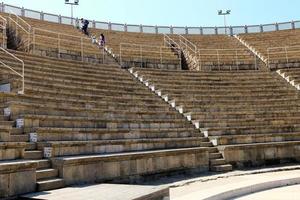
[(22, 28), (20, 74), (187, 48)]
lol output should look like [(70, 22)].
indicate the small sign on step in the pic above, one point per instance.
[(7, 112), (20, 123), (33, 137), (47, 152)]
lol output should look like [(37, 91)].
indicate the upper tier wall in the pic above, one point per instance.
[(232, 30)]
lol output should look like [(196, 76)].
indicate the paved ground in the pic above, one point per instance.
[(98, 192), (206, 188), (181, 187), (288, 193)]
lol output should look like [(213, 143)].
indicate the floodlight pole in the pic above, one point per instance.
[(228, 12), (72, 4)]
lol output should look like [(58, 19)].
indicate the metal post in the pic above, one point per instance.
[(72, 14), (33, 38), (236, 60), (293, 24), (41, 15), (17, 26), (199, 61), (141, 28), (81, 44), (58, 37), (141, 52), (121, 55), (161, 55), (186, 30), (22, 12), (218, 60), (2, 7), (246, 29), (261, 28), (125, 28), (59, 19), (276, 27), (225, 24), (286, 55), (231, 30), (23, 78), (201, 31)]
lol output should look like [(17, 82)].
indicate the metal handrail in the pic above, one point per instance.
[(28, 32), (19, 25), (17, 73), (170, 39), (19, 18), (77, 40), (3, 26), (283, 50), (190, 43), (141, 49), (62, 34), (236, 59)]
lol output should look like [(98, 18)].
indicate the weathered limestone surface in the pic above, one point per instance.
[(11, 150), (259, 154), (90, 169), (17, 178)]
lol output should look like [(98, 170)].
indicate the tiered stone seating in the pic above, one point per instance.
[(261, 42), (221, 52), (100, 124), (252, 116), (148, 48)]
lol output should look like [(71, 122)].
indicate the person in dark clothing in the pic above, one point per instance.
[(85, 24), (102, 40)]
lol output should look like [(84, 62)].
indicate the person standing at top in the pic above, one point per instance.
[(85, 24)]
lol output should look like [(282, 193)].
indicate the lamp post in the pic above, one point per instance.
[(224, 13), (73, 3)]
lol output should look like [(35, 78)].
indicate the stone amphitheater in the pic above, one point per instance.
[(188, 108)]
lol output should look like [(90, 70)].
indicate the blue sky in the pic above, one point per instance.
[(173, 12)]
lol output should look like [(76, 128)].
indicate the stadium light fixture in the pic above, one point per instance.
[(72, 3), (224, 13)]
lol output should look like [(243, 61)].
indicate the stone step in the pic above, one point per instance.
[(16, 131), (50, 184), (67, 148), (213, 150), (215, 155), (46, 174), (43, 164), (30, 146), (19, 138), (33, 155), (206, 144), (221, 168), (216, 162), (7, 123)]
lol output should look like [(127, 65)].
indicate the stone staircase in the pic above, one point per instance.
[(216, 160), (47, 177)]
